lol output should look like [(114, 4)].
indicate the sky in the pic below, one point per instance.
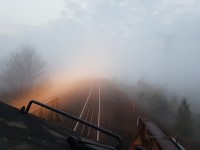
[(128, 40)]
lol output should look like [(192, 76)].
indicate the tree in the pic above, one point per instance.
[(184, 122), (20, 72)]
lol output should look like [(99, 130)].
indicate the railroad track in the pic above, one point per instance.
[(91, 112)]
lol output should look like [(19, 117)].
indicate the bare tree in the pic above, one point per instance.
[(20, 72)]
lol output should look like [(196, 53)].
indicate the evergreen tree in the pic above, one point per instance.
[(184, 123)]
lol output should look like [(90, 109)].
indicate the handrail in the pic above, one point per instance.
[(46, 102), (116, 136)]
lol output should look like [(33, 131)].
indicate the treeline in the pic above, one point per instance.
[(21, 72), (172, 113)]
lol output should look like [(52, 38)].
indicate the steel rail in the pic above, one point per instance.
[(84, 107), (99, 112)]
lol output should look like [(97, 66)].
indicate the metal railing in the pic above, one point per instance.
[(116, 136)]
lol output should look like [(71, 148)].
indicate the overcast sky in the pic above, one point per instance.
[(156, 40)]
